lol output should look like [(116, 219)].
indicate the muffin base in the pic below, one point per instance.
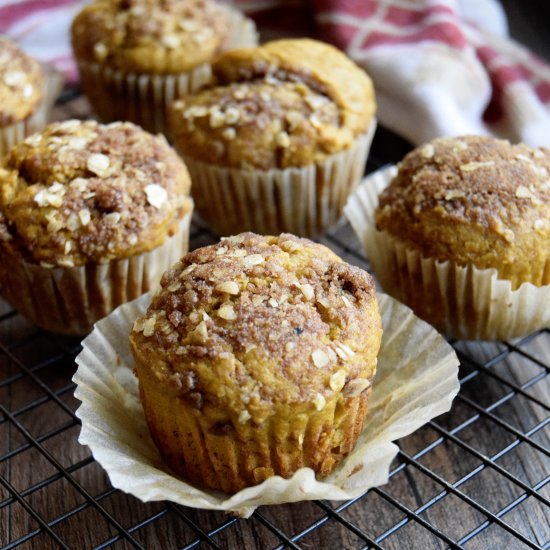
[(304, 201), (460, 301), (143, 98), (69, 300)]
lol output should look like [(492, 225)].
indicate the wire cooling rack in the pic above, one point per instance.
[(477, 477)]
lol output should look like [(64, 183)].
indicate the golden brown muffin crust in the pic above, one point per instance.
[(475, 200), (84, 192), (254, 322), (21, 82), (166, 36), (287, 103)]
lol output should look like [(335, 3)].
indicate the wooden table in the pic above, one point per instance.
[(477, 477)]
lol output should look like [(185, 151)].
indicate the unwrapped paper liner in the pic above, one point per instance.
[(143, 98), (304, 201), (461, 301), (16, 133), (417, 380), (69, 300)]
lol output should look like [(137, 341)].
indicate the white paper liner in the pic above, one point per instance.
[(417, 380), (15, 133), (144, 98), (304, 201), (461, 301), (69, 300)]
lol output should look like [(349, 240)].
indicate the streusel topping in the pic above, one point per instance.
[(275, 106), (85, 192), (166, 36), (473, 199), (254, 321)]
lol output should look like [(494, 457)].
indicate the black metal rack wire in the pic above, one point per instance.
[(476, 477)]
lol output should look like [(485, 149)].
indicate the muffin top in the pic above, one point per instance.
[(255, 322), (156, 36), (475, 200), (85, 192), (21, 80), (286, 103)]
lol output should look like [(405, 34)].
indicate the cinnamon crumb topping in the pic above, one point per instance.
[(107, 190), (474, 200), (151, 36), (253, 327), (270, 109)]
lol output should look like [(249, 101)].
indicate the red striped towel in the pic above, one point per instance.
[(441, 67)]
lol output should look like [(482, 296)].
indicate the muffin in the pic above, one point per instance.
[(135, 57), (463, 236), (21, 95), (90, 217), (279, 140), (255, 359)]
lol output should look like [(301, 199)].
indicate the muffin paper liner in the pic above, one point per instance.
[(143, 98), (461, 301), (303, 200), (417, 380), (69, 300), (16, 133)]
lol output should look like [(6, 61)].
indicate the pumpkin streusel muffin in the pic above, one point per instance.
[(255, 359), (136, 56), (90, 217), (21, 94), (463, 232), (279, 140)]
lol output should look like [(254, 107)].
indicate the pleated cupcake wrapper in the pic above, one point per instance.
[(293, 437), (417, 379), (305, 201), (143, 98), (16, 133), (69, 300), (461, 301)]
